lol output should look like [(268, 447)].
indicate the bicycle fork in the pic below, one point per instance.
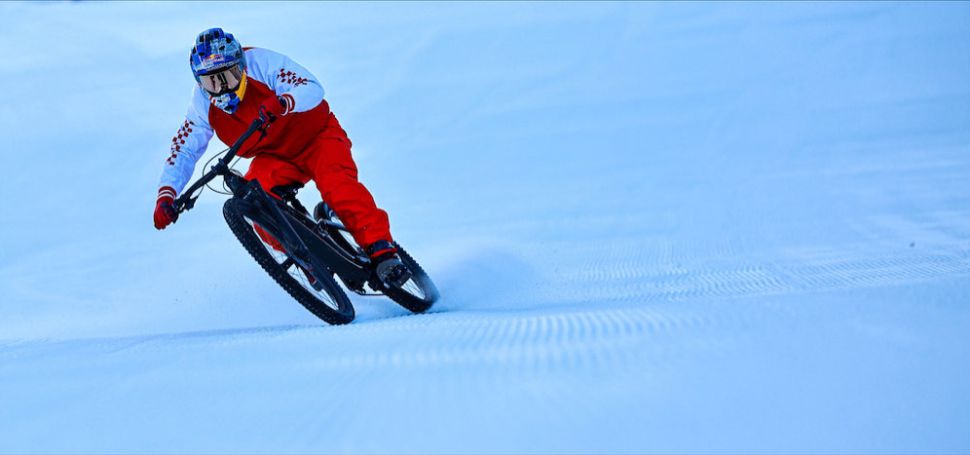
[(253, 193)]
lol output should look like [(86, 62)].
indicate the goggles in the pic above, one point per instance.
[(221, 81)]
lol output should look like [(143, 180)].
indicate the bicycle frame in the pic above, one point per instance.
[(311, 249)]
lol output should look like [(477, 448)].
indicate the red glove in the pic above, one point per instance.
[(277, 107), (165, 213)]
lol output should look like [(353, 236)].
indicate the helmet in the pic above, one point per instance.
[(219, 66)]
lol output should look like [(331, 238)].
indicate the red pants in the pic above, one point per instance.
[(327, 161)]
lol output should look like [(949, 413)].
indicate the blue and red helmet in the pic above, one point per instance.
[(216, 50), (218, 64)]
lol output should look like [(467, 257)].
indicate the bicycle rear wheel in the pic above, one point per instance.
[(318, 293), (417, 294)]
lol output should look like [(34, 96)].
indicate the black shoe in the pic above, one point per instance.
[(393, 272), (389, 268)]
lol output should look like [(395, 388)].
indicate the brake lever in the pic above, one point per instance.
[(184, 205)]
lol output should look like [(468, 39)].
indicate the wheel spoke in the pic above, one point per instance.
[(413, 288)]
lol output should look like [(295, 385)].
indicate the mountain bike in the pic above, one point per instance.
[(305, 254)]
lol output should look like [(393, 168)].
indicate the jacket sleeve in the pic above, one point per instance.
[(188, 145), (297, 86)]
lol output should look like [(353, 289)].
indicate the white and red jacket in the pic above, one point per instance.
[(268, 74)]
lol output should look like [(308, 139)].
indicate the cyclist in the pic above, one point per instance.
[(306, 142)]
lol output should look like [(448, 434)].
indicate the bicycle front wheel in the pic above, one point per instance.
[(318, 293)]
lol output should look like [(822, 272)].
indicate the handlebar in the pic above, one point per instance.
[(185, 202)]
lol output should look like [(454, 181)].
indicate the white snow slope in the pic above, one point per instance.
[(730, 227)]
